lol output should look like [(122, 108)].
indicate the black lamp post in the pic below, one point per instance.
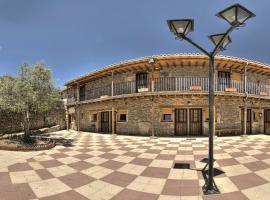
[(235, 15)]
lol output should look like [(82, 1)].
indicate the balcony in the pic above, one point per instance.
[(173, 84)]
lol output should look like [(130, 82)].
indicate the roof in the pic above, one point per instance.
[(111, 67)]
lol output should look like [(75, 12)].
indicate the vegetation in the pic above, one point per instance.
[(32, 91)]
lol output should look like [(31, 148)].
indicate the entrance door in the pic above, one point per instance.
[(181, 122), (249, 121), (267, 121), (195, 121), (141, 80), (106, 125)]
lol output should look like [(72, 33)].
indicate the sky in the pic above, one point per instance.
[(74, 37)]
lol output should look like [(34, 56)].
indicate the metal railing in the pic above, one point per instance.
[(181, 84)]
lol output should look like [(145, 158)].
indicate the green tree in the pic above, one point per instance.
[(32, 91)]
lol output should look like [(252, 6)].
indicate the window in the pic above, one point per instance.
[(122, 115), (94, 117), (166, 115), (82, 93), (81, 115)]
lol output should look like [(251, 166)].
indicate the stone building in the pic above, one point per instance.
[(167, 95)]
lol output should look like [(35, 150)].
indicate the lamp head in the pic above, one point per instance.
[(236, 14), (181, 26)]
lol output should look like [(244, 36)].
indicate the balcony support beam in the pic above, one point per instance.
[(112, 92), (245, 101), (78, 107)]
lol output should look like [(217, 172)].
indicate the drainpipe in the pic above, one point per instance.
[(245, 100)]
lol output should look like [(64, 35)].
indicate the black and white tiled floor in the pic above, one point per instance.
[(101, 167)]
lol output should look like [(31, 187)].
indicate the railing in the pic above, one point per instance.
[(181, 84)]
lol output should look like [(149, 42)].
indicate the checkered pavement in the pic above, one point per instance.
[(101, 167)]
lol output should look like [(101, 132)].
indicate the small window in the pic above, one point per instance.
[(166, 114), (94, 117), (123, 117), (167, 117), (81, 115)]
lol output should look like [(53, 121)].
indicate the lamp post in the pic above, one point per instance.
[(235, 15)]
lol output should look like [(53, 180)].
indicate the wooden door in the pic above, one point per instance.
[(195, 121), (181, 123), (267, 121), (106, 125)]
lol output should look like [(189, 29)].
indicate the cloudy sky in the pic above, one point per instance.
[(74, 37)]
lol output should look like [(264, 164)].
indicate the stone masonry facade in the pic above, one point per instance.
[(144, 112)]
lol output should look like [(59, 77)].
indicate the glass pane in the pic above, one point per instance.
[(229, 15), (167, 117), (242, 15), (180, 26), (217, 38)]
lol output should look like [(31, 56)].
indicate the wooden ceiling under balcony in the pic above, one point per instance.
[(221, 63)]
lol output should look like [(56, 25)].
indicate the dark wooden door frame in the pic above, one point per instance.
[(195, 121), (105, 121), (180, 122), (190, 123), (266, 119)]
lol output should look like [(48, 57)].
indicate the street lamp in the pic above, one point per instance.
[(235, 15)]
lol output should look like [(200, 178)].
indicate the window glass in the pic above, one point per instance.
[(94, 117), (167, 117), (122, 117)]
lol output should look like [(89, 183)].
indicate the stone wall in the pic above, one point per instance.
[(228, 114), (10, 122)]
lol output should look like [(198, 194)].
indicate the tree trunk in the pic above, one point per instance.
[(27, 126)]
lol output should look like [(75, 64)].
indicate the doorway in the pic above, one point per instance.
[(188, 122)]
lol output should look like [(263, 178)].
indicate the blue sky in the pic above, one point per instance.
[(74, 37)]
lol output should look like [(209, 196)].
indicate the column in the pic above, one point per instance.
[(245, 100), (113, 121), (152, 80), (112, 92), (78, 107)]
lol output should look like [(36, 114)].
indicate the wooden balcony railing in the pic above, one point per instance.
[(181, 84)]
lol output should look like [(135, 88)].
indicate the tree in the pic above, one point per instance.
[(32, 91)]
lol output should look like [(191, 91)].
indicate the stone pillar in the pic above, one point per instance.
[(113, 121), (153, 119)]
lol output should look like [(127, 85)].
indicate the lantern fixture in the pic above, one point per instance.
[(181, 26), (235, 15), (218, 37)]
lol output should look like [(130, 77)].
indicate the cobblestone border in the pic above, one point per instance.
[(49, 145)]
